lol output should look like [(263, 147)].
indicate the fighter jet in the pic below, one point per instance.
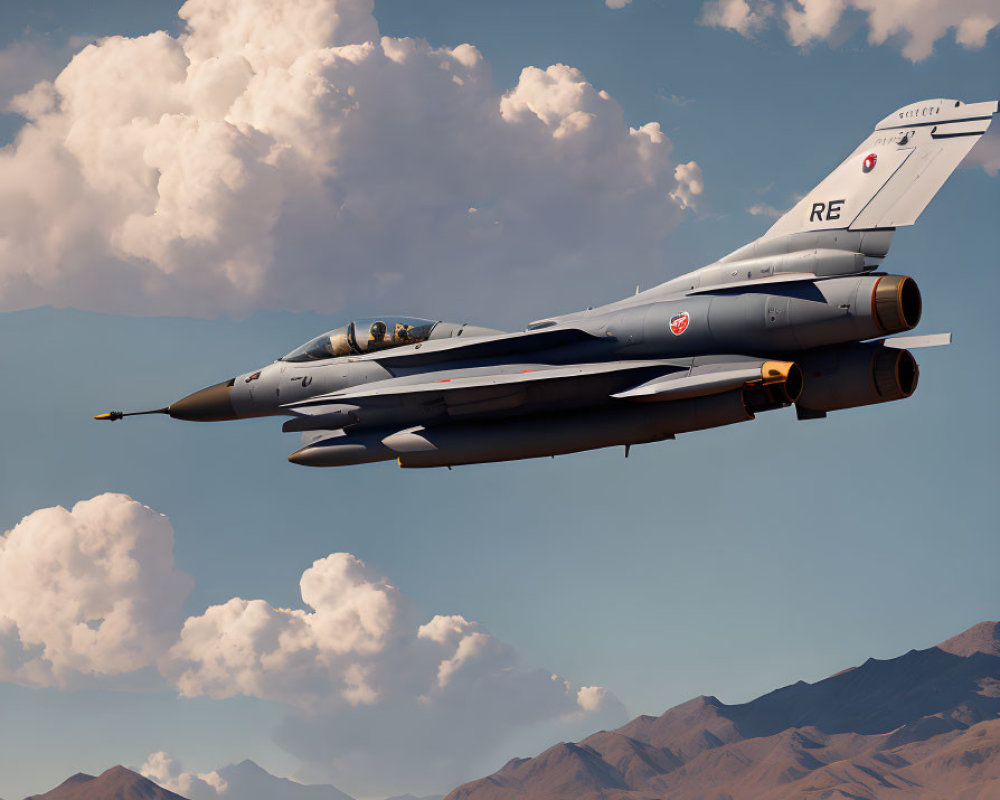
[(799, 316)]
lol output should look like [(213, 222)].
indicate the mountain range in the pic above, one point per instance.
[(925, 724), (414, 797), (248, 781), (117, 783), (243, 781)]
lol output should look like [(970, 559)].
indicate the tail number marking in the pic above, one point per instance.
[(824, 212)]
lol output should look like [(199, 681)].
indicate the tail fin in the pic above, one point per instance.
[(893, 174)]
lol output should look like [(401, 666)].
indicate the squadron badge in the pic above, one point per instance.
[(679, 323)]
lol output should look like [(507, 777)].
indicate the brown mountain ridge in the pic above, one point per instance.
[(923, 725), (117, 783)]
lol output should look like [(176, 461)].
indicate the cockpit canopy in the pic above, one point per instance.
[(364, 336)]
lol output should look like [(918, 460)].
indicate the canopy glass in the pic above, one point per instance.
[(364, 336)]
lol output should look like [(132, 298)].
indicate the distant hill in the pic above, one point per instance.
[(244, 781), (118, 783), (414, 797), (247, 781), (926, 724)]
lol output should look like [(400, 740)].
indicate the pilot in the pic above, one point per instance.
[(402, 332), (376, 333)]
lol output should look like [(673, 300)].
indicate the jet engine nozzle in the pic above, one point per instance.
[(780, 385), (896, 303), (785, 375), (856, 375), (211, 404), (894, 373)]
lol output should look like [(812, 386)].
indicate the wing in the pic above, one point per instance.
[(473, 392), (521, 389)]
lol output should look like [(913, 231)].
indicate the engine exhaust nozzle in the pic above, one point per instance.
[(896, 304)]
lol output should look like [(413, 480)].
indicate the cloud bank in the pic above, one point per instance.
[(285, 155), (374, 695), (87, 593), (917, 24)]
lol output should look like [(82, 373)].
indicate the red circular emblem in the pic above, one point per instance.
[(869, 164), (679, 323)]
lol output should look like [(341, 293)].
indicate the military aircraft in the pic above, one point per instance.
[(799, 316)]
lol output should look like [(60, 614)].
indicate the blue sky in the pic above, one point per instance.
[(728, 562)]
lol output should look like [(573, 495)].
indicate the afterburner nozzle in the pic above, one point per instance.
[(896, 303), (780, 385), (787, 374)]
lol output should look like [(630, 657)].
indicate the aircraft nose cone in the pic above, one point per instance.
[(211, 404)]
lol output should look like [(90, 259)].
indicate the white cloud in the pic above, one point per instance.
[(284, 155), (986, 152), (374, 692), (923, 22), (743, 16), (764, 210), (616, 3), (918, 24), (373, 695), (689, 184), (323, 657), (811, 19), (167, 772), (90, 592)]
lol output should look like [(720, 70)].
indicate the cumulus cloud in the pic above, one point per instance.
[(167, 772), (285, 155), (374, 692), (374, 695), (89, 592), (689, 184), (743, 16), (917, 24), (332, 654), (986, 153)]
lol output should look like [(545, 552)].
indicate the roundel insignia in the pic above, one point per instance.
[(679, 323), (869, 163)]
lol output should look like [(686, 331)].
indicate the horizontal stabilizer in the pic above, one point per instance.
[(916, 342)]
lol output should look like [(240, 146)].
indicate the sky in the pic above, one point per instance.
[(185, 198)]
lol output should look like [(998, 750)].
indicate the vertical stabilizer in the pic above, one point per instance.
[(893, 174)]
